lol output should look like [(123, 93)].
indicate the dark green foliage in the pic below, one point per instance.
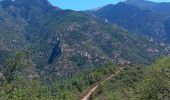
[(19, 83), (64, 42), (15, 66), (134, 82), (122, 86), (79, 60), (56, 50), (16, 83), (138, 83), (156, 85), (71, 44)]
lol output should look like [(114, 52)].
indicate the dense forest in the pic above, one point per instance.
[(137, 82), (18, 83)]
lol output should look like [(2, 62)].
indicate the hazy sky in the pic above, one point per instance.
[(87, 4)]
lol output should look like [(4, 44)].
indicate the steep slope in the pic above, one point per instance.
[(137, 20), (161, 8), (63, 42)]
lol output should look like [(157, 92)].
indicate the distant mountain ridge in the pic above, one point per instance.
[(162, 7), (139, 16), (141, 3)]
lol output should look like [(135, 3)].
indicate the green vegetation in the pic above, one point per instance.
[(70, 52), (15, 83), (19, 83), (122, 86), (138, 83), (64, 41), (156, 86)]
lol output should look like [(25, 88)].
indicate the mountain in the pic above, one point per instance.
[(64, 42), (141, 3), (161, 8), (47, 53), (137, 20)]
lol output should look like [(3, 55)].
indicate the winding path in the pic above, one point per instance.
[(94, 87)]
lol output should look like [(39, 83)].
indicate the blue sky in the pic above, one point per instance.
[(87, 4)]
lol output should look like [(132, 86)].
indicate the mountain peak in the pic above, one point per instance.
[(134, 0), (27, 2), (24, 2), (43, 4), (140, 3)]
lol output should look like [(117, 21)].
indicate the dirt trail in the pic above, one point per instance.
[(94, 87)]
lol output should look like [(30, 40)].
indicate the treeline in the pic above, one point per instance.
[(138, 82), (156, 85), (20, 81)]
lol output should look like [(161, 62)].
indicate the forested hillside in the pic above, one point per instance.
[(20, 82), (139, 16), (64, 42), (138, 83), (135, 82), (47, 53)]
